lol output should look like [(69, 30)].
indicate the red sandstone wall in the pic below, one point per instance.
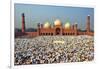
[(91, 33), (68, 32), (18, 34), (86, 33), (48, 31), (31, 34), (26, 34)]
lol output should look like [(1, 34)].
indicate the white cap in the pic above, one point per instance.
[(88, 15)]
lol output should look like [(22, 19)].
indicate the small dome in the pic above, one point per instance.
[(67, 25), (57, 22), (47, 25)]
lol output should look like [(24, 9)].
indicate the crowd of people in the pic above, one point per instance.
[(43, 49)]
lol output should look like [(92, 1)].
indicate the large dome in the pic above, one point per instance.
[(46, 25), (57, 22), (67, 25)]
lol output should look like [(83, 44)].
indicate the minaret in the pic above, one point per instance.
[(75, 28), (38, 29), (88, 24), (72, 27), (41, 25), (23, 23)]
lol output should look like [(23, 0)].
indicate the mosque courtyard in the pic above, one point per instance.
[(53, 49)]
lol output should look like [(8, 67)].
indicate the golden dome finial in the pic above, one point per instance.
[(46, 25), (57, 22), (67, 25)]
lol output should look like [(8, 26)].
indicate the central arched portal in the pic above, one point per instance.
[(57, 31)]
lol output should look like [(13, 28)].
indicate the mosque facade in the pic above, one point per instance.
[(57, 29)]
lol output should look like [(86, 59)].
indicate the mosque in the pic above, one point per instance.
[(57, 29)]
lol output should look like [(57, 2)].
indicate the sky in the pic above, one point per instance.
[(47, 13)]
